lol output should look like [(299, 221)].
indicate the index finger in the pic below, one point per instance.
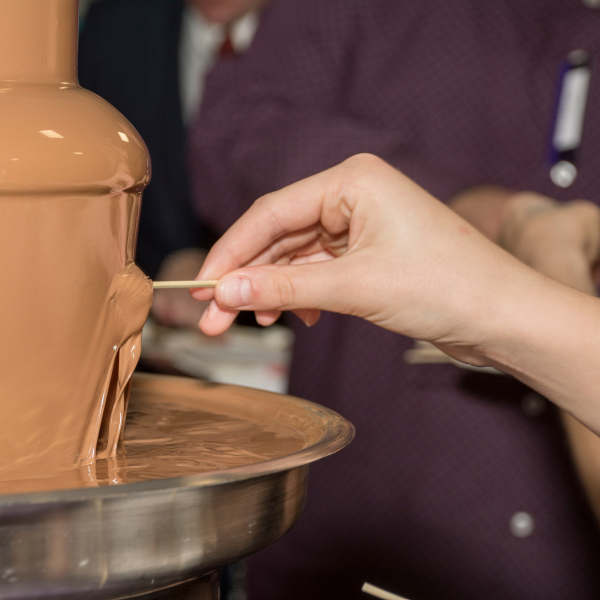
[(290, 209)]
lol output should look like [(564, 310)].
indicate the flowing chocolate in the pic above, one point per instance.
[(178, 427), (73, 303)]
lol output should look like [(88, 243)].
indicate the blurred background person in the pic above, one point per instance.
[(466, 483), (458, 484), (149, 59)]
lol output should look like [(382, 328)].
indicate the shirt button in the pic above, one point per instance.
[(591, 3), (533, 405), (521, 524)]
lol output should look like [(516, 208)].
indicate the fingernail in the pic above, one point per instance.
[(235, 292), (310, 320), (305, 316), (308, 317)]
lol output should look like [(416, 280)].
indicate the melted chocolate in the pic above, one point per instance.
[(73, 303), (72, 170), (70, 335), (180, 427)]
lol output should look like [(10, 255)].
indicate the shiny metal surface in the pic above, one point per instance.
[(128, 540)]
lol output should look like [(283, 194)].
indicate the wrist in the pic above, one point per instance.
[(543, 336)]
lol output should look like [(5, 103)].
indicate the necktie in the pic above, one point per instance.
[(226, 50)]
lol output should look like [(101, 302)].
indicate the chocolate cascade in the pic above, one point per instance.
[(73, 303)]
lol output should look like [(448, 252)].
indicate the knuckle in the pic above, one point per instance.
[(283, 292), (358, 171), (268, 205), (365, 160), (361, 165)]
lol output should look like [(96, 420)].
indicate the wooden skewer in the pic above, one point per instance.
[(162, 285), (379, 593)]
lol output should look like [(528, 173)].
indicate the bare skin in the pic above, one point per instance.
[(563, 242), (362, 239), (558, 240)]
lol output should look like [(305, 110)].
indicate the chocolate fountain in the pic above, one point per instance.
[(200, 475)]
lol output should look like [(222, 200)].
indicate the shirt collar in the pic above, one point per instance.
[(206, 36)]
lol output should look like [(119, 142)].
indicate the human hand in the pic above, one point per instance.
[(361, 239), (175, 307), (560, 240)]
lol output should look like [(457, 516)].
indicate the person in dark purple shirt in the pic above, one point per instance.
[(458, 485)]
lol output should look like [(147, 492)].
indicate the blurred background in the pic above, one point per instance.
[(461, 483)]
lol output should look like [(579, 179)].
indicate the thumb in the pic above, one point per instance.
[(278, 287)]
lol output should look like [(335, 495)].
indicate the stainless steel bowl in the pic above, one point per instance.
[(136, 539)]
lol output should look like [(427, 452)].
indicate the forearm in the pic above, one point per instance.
[(569, 264), (540, 308), (547, 335)]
